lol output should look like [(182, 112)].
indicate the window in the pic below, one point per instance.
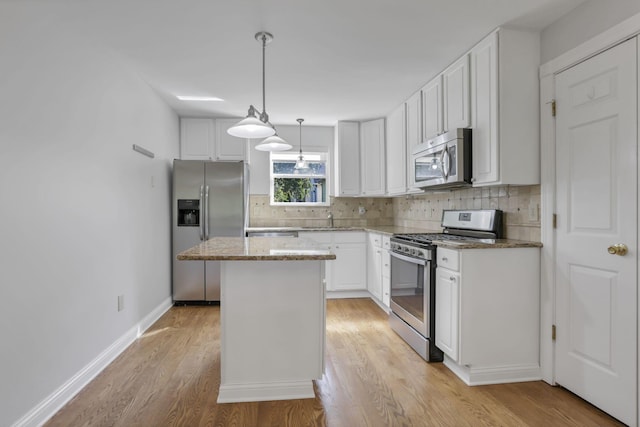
[(299, 186)]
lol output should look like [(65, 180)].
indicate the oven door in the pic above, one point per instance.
[(410, 291)]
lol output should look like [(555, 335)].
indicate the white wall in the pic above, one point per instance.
[(314, 138), (80, 222), (584, 22)]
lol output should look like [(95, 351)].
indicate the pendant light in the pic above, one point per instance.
[(252, 126), (301, 164)]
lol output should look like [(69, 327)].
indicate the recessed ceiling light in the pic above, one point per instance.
[(198, 98)]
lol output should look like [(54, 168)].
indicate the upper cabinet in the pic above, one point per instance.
[(196, 138), (347, 159), (432, 111), (456, 95), (396, 152), (207, 139), (504, 109), (413, 109), (228, 147), (372, 162)]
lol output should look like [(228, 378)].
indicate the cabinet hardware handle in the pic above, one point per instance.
[(452, 278), (444, 258)]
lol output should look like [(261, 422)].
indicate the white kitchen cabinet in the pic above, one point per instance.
[(487, 313), (197, 137), (447, 285), (505, 111), (374, 265), (456, 95), (413, 108), (396, 152), (347, 159), (207, 139), (372, 162), (386, 271), (348, 271), (432, 109), (228, 147)]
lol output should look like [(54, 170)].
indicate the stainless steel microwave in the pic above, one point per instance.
[(444, 161)]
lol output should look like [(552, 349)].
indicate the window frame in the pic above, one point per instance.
[(325, 155)]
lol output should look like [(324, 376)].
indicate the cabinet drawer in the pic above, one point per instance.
[(349, 237), (319, 237), (448, 258), (386, 242), (375, 239)]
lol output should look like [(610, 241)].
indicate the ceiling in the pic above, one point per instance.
[(330, 59)]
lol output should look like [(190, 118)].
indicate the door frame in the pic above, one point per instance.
[(621, 32)]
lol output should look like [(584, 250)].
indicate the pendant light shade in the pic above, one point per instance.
[(273, 143), (301, 163), (251, 127), (260, 127)]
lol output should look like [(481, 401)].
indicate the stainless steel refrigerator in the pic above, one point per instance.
[(209, 200)]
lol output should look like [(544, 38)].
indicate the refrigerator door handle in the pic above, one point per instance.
[(201, 207), (206, 213)]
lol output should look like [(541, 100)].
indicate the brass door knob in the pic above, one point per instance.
[(618, 249)]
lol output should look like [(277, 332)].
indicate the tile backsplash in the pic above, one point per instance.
[(520, 204)]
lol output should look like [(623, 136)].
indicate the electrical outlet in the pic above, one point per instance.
[(120, 302), (361, 210)]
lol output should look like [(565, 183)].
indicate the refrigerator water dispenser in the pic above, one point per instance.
[(188, 213)]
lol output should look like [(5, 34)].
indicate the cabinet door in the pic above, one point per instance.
[(484, 106), (396, 152), (386, 278), (447, 315), (196, 138), (349, 267), (456, 95), (228, 147), (374, 271), (325, 241), (432, 109), (414, 133), (347, 158), (372, 148)]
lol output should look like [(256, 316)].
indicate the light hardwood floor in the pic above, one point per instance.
[(170, 377)]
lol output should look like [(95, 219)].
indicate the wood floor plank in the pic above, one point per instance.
[(170, 377)]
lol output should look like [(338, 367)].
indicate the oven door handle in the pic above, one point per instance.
[(408, 259)]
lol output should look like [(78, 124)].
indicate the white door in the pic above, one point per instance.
[(596, 173)]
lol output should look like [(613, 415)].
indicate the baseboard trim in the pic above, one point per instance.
[(56, 400), (348, 294), (232, 393), (494, 374)]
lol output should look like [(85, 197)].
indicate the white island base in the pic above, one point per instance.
[(272, 324)]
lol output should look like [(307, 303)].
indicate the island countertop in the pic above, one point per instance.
[(257, 249)]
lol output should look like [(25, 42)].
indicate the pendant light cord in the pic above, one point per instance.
[(264, 47)]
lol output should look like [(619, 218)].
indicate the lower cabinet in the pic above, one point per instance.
[(447, 288), (487, 313), (348, 271), (378, 268), (374, 265)]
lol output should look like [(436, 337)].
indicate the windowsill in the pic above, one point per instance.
[(299, 204)]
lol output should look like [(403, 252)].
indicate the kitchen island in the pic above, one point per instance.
[(272, 315)]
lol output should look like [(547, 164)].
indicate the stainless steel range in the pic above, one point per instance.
[(413, 267)]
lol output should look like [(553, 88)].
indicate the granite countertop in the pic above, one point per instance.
[(495, 244), (257, 249), (383, 229), (394, 229)]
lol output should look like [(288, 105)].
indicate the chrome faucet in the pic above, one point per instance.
[(330, 218)]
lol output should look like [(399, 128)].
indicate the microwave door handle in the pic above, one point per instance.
[(202, 217), (445, 160)]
